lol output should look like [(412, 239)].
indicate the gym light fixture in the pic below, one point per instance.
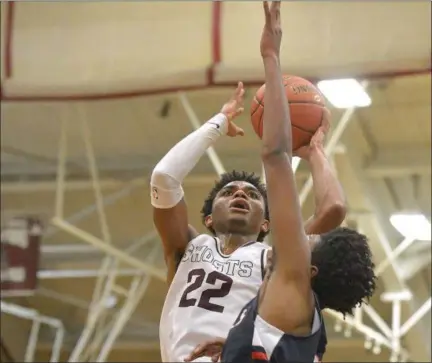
[(412, 225), (345, 93)]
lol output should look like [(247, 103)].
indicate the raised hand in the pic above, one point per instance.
[(317, 140), (272, 33), (211, 348), (232, 109)]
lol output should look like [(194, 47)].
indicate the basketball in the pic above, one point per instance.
[(307, 109)]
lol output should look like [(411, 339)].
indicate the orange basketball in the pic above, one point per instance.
[(307, 109)]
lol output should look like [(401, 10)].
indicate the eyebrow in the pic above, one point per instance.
[(248, 187)]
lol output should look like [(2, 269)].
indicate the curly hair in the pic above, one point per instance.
[(227, 178), (346, 275)]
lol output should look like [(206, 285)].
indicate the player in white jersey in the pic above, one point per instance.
[(212, 278)]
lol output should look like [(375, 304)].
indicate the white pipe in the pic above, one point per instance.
[(94, 173), (360, 327), (61, 169), (358, 315), (137, 291), (97, 340), (193, 119), (107, 200), (379, 322), (110, 250), (57, 345), (331, 145), (391, 258), (84, 185), (416, 317), (122, 318), (97, 307), (364, 329), (32, 342), (31, 314), (396, 322)]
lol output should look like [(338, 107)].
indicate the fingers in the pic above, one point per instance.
[(215, 358), (239, 131), (267, 12), (240, 91), (196, 353), (325, 124), (275, 6)]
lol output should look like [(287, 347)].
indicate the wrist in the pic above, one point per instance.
[(271, 59), (221, 121), (316, 153)]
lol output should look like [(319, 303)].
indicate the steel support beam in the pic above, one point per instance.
[(331, 145), (37, 319), (397, 162), (59, 221), (415, 317), (394, 254), (412, 265), (137, 290), (196, 124), (378, 228)]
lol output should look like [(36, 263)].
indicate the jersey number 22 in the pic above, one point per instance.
[(204, 301)]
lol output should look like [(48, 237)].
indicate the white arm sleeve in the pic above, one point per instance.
[(168, 174)]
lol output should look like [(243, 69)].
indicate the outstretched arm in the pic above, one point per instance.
[(167, 196), (330, 203), (288, 288)]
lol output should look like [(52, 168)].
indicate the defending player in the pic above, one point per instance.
[(213, 278), (332, 270)]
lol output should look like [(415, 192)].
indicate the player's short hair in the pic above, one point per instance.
[(346, 275), (227, 178)]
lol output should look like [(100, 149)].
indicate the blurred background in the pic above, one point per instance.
[(94, 94)]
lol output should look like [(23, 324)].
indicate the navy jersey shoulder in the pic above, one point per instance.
[(243, 341)]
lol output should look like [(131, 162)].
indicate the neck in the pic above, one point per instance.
[(230, 242)]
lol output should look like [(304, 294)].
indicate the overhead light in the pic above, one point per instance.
[(345, 93), (295, 163), (111, 301), (412, 225), (404, 295)]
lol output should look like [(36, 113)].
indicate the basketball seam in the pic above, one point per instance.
[(259, 104), (294, 102), (297, 127)]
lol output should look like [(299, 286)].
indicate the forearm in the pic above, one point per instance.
[(277, 124), (330, 203), (170, 172)]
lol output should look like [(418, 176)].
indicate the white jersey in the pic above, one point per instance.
[(207, 293)]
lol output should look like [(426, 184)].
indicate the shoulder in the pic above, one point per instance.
[(201, 239)]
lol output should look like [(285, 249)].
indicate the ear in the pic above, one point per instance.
[(208, 221), (314, 271), (265, 226)]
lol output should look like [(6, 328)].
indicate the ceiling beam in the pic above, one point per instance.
[(379, 229), (400, 161), (410, 266)]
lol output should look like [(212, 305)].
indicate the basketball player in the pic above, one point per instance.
[(332, 270), (212, 278)]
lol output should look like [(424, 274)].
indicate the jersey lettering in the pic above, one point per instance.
[(199, 275), (230, 267)]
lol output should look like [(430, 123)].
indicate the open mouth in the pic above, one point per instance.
[(240, 204)]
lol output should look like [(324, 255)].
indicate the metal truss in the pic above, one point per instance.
[(100, 333), (380, 334), (97, 338), (101, 330), (37, 319)]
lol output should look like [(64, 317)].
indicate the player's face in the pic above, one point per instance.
[(238, 209)]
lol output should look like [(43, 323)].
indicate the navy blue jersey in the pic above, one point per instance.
[(253, 340)]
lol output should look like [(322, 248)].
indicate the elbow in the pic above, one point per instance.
[(335, 214), (269, 155)]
